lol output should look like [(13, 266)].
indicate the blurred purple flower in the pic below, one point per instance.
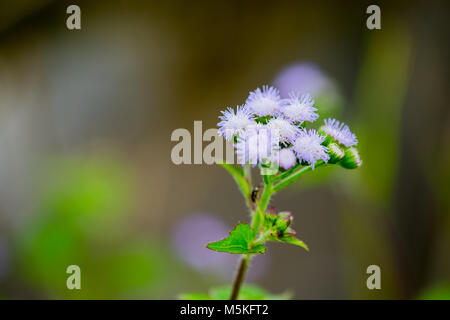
[(193, 233), (301, 77)]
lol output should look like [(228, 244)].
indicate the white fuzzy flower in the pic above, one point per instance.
[(234, 123), (340, 132), (265, 102), (308, 147), (287, 158), (299, 108), (257, 145), (286, 130)]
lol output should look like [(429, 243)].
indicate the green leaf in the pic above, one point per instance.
[(238, 176), (293, 240), (239, 242)]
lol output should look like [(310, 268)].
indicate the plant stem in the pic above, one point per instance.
[(239, 279), (294, 176), (257, 219), (258, 213), (265, 198)]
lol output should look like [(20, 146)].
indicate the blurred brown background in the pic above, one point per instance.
[(86, 118)]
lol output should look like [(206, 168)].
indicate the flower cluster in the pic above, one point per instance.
[(269, 129)]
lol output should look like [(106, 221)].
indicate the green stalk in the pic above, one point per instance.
[(257, 220), (267, 194), (294, 176), (239, 279)]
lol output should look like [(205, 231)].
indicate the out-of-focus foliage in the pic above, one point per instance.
[(438, 292), (137, 70), (248, 292), (81, 220)]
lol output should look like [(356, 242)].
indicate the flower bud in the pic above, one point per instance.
[(271, 216), (287, 159), (281, 225), (286, 216), (335, 152), (351, 159)]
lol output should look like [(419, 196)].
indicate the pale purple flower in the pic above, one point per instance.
[(287, 159), (193, 232), (287, 131), (340, 132), (299, 108), (257, 145), (234, 123), (308, 147), (302, 77), (265, 102)]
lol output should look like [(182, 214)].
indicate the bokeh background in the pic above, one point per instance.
[(86, 118)]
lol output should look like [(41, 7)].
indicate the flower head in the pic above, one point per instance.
[(264, 102), (287, 159), (351, 160), (286, 130), (308, 147), (335, 152), (234, 123), (340, 132), (257, 145), (299, 108)]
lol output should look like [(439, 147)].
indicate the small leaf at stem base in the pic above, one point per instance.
[(240, 241), (293, 240)]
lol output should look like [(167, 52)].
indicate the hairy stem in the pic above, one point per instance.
[(257, 220), (267, 194), (239, 279)]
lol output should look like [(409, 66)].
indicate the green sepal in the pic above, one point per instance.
[(281, 225), (263, 120), (351, 160), (336, 153), (328, 139)]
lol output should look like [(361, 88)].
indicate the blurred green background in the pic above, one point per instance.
[(86, 118)]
